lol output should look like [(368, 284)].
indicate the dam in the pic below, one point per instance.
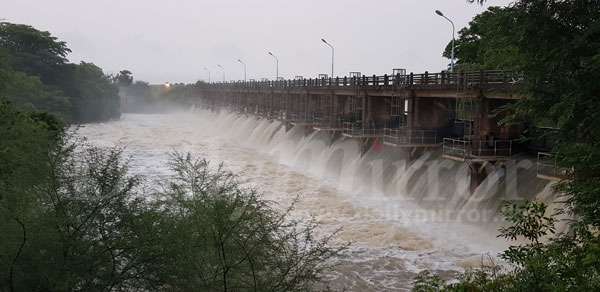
[(459, 113)]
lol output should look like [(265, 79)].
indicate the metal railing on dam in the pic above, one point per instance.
[(441, 80)]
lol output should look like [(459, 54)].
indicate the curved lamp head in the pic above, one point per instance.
[(271, 54), (439, 13), (324, 41)]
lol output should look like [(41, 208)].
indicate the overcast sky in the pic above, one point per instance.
[(172, 41)]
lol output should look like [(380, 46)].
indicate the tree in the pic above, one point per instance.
[(225, 238), (27, 140), (488, 42), (34, 74), (34, 52), (93, 95), (124, 78), (28, 92), (561, 52)]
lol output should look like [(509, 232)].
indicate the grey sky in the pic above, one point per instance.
[(162, 41)]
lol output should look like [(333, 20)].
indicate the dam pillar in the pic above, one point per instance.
[(412, 112), (379, 113), (431, 113), (478, 173)]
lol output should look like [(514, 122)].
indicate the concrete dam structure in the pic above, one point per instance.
[(459, 113)]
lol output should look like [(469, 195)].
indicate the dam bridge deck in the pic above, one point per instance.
[(498, 84)]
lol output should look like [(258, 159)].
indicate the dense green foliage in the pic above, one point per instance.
[(24, 149), (486, 42), (555, 44), (124, 78), (97, 98), (35, 74), (27, 140), (30, 93)]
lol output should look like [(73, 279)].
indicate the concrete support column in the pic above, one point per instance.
[(482, 121), (412, 111)]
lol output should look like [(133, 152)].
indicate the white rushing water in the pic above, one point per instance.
[(401, 216)]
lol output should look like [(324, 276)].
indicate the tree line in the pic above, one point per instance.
[(36, 75)]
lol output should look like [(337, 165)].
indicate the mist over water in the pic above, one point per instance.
[(402, 215)]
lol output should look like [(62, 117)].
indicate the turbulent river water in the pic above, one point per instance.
[(401, 215)]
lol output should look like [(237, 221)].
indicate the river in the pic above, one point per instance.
[(401, 216)]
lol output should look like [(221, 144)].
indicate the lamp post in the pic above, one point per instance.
[(244, 68), (223, 71), (332, 54), (453, 32), (208, 73), (276, 66)]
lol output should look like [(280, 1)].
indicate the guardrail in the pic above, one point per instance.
[(352, 129), (455, 147), (411, 136), (440, 79), (303, 118), (327, 123), (548, 168), (477, 149)]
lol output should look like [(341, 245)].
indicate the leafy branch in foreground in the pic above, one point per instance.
[(528, 220), (225, 237), (569, 262)]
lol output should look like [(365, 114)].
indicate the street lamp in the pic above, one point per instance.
[(453, 31), (206, 69), (332, 54), (276, 66), (223, 71), (244, 69)]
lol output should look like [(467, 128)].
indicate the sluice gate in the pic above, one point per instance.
[(458, 113)]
